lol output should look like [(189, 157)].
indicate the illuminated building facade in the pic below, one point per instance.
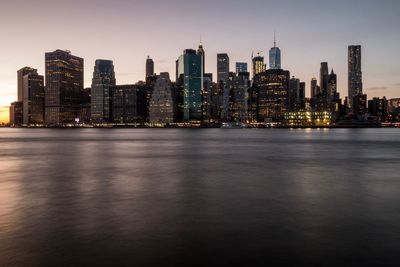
[(189, 65), (101, 93), (272, 88), (64, 87), (258, 65), (161, 108)]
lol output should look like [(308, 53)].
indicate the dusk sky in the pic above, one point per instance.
[(308, 32)]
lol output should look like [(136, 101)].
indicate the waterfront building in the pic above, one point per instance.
[(64, 87), (189, 69), (359, 105), (355, 85), (161, 108), (272, 88), (101, 93), (16, 114), (31, 88), (239, 91), (378, 107)]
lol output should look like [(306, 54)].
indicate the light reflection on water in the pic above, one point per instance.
[(212, 196)]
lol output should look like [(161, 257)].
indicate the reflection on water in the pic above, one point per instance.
[(179, 197)]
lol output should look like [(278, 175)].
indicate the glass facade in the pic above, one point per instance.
[(101, 94)]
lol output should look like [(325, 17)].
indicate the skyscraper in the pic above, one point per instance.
[(20, 74), (202, 53), (161, 109), (258, 64), (241, 67), (323, 79), (275, 57), (355, 85), (332, 87), (101, 100), (32, 96), (149, 67), (189, 67), (64, 87), (273, 94), (222, 67)]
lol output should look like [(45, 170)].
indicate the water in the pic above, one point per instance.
[(240, 197)]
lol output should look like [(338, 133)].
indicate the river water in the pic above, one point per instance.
[(199, 197)]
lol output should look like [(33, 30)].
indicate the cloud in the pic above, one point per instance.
[(378, 88)]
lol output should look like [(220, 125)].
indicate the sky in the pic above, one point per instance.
[(308, 33)]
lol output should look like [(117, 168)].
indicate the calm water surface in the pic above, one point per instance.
[(245, 197)]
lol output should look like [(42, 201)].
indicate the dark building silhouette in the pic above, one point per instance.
[(64, 86), (101, 93), (149, 67), (323, 79), (16, 114), (359, 105), (378, 106)]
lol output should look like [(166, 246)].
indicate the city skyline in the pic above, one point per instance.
[(129, 45)]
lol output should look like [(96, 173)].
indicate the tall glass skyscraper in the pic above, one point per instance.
[(355, 85), (275, 57), (190, 66), (101, 100)]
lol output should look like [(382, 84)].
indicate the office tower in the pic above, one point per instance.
[(101, 94), (20, 74), (130, 103), (149, 67), (272, 94), (314, 88), (241, 67), (64, 86), (161, 108), (302, 95), (16, 114), (323, 79), (332, 87), (239, 97), (207, 97), (189, 73), (258, 64), (31, 88), (378, 106), (124, 104), (359, 105), (222, 68), (202, 53), (275, 57), (355, 85), (294, 94)]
